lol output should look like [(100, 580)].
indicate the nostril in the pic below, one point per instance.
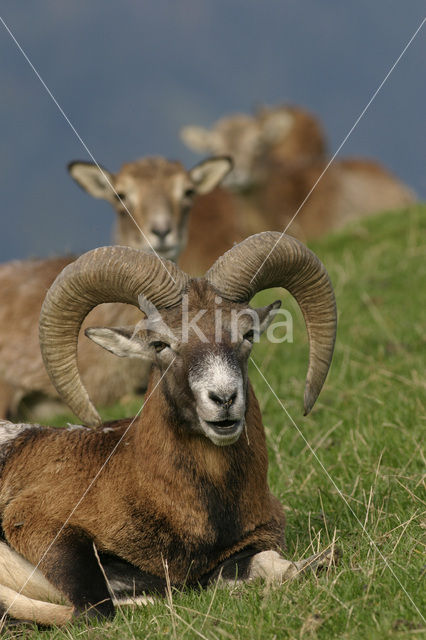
[(161, 233), (232, 398), (227, 400), (217, 399)]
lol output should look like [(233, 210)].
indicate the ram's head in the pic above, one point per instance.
[(198, 332)]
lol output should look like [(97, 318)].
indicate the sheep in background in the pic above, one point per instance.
[(152, 198), (186, 480), (159, 195), (279, 155), (289, 136)]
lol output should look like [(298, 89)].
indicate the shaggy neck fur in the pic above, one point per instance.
[(203, 491)]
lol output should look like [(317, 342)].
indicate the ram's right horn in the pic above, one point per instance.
[(271, 259)]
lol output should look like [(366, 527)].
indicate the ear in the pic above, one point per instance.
[(266, 315), (91, 179), (200, 139), (208, 174), (277, 126), (121, 341)]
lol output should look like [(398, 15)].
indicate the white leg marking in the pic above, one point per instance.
[(270, 566), (23, 608), (15, 571)]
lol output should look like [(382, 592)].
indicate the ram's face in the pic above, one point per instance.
[(217, 379), (203, 357), (200, 352)]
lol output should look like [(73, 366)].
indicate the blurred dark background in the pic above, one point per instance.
[(129, 74)]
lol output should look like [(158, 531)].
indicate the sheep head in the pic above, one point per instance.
[(237, 135), (157, 193), (205, 374), (200, 350)]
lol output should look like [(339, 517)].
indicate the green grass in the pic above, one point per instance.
[(366, 431)]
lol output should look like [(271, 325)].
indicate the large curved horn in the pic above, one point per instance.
[(271, 259), (108, 274)]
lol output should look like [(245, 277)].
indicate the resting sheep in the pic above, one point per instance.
[(183, 485), (152, 198), (159, 195), (280, 158), (288, 136)]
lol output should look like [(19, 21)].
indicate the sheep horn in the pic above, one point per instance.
[(107, 274), (271, 259)]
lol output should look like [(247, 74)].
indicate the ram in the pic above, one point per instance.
[(180, 491), (280, 168), (158, 194)]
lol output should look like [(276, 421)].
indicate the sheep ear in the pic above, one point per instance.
[(95, 180), (200, 139), (208, 174), (266, 315), (121, 341)]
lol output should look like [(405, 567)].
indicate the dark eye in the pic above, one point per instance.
[(120, 195), (249, 336), (189, 193), (159, 346)]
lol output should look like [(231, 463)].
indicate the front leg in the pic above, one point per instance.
[(69, 564)]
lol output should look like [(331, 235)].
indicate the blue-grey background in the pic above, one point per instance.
[(129, 73)]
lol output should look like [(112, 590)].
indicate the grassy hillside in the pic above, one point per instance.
[(360, 480)]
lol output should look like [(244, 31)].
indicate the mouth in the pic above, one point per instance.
[(223, 425), (222, 432)]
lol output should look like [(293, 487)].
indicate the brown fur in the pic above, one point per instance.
[(366, 187), (304, 144), (349, 189), (215, 224)]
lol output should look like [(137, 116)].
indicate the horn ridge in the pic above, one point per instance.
[(106, 274), (271, 259)]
